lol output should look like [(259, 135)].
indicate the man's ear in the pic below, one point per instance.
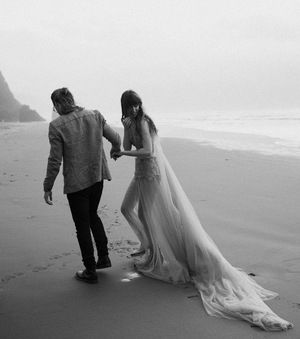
[(58, 108)]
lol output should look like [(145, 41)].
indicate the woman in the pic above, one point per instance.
[(176, 247)]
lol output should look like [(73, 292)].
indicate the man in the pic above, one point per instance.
[(76, 139)]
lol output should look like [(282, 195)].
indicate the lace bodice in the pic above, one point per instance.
[(146, 168)]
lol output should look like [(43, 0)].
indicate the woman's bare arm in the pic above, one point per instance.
[(146, 150)]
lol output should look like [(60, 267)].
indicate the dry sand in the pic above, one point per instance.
[(248, 203)]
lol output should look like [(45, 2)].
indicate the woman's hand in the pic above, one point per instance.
[(126, 122)]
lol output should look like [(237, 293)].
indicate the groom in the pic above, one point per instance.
[(76, 139)]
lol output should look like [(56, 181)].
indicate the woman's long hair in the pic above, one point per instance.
[(65, 99), (130, 98)]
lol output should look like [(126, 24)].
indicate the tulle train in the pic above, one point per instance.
[(180, 251)]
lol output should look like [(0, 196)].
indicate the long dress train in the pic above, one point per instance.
[(181, 251)]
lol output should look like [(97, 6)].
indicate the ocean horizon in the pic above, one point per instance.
[(265, 132)]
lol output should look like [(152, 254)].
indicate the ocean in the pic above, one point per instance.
[(266, 132)]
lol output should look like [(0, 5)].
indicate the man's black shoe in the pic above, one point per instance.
[(87, 276), (103, 262)]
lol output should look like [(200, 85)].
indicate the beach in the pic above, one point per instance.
[(246, 201)]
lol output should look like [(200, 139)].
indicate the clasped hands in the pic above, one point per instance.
[(116, 153)]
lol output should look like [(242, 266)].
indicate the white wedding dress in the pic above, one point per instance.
[(180, 251)]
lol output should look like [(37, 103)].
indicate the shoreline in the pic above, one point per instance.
[(237, 141), (222, 140), (248, 203)]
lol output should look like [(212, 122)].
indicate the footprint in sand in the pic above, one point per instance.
[(19, 274), (55, 257), (292, 265), (9, 277), (66, 253), (116, 223), (123, 247), (41, 268), (296, 305), (103, 210), (132, 243)]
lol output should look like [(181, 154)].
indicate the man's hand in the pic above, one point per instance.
[(116, 155), (48, 198), (113, 151)]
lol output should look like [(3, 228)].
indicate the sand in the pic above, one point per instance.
[(248, 203)]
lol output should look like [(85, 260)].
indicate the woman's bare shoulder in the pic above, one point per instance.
[(144, 123)]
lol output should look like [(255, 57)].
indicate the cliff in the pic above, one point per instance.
[(11, 109)]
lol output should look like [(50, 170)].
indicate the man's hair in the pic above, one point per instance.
[(65, 99)]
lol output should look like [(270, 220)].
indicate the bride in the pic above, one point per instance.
[(174, 246)]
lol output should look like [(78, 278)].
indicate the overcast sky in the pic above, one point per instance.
[(181, 56)]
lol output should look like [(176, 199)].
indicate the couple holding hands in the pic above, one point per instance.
[(174, 247)]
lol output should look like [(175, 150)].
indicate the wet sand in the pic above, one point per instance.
[(248, 203)]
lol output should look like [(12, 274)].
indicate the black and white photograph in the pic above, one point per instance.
[(150, 169)]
